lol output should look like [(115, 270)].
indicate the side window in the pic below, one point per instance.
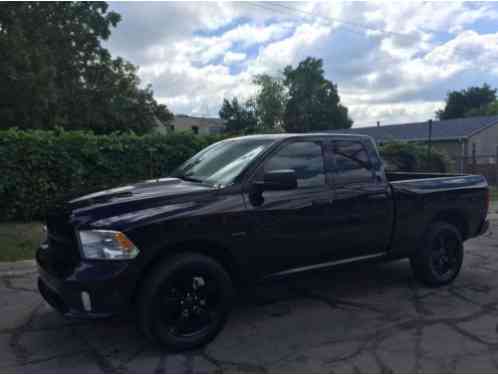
[(351, 161), (305, 158)]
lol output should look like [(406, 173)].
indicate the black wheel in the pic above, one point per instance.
[(186, 301), (439, 261)]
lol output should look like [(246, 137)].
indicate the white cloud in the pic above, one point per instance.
[(468, 50), (275, 56), (393, 112), (250, 35), (233, 57), (195, 54)]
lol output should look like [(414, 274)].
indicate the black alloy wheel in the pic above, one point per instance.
[(445, 254), (185, 301), (439, 259), (190, 303)]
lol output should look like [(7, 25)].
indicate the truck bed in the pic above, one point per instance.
[(436, 181), (403, 176), (428, 197)]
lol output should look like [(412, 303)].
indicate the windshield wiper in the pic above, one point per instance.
[(189, 178)]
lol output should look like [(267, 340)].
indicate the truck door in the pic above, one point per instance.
[(291, 228), (362, 210)]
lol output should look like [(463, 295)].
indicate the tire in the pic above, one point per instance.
[(440, 258), (185, 302)]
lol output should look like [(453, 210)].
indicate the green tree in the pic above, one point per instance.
[(489, 110), (55, 72), (238, 118), (270, 102), (469, 102), (314, 102)]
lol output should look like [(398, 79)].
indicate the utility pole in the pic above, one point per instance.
[(429, 144)]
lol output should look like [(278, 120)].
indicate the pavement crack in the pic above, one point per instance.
[(417, 301), (456, 293), (223, 365), (50, 358), (336, 303), (419, 332), (471, 336), (102, 362), (20, 351), (349, 356), (7, 282)]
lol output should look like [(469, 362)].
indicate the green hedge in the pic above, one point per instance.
[(413, 157), (39, 169)]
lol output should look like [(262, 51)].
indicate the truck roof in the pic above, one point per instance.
[(279, 136)]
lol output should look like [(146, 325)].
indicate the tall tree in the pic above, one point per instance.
[(238, 118), (55, 72), (270, 102), (314, 102), (489, 110), (468, 102)]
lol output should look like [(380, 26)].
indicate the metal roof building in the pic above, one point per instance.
[(462, 138), (454, 129)]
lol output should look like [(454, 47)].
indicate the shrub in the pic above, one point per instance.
[(40, 168), (412, 157)]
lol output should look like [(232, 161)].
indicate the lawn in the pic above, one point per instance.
[(19, 241), (494, 193)]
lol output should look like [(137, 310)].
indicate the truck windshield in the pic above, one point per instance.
[(220, 163)]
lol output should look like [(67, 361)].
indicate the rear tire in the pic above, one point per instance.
[(440, 257), (185, 302)]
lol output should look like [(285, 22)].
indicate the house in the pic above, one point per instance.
[(196, 125), (465, 140)]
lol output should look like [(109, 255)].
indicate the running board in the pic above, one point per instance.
[(326, 264)]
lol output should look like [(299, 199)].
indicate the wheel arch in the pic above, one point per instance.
[(456, 218), (212, 249)]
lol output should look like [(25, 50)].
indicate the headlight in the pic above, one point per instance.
[(106, 244)]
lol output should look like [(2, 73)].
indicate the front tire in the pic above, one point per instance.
[(185, 302), (440, 258)]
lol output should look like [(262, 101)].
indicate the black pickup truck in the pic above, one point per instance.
[(246, 209)]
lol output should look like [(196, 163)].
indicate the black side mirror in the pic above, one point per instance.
[(281, 179)]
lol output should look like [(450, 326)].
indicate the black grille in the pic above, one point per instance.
[(61, 255), (58, 225)]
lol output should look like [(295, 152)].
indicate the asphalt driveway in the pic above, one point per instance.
[(371, 318)]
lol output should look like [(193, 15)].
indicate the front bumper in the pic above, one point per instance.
[(94, 289)]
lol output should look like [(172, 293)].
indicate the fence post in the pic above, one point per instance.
[(496, 167)]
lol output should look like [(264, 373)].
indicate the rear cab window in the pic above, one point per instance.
[(351, 162)]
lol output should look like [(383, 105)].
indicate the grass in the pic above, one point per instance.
[(19, 241), (494, 193)]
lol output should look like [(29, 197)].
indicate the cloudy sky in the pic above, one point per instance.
[(392, 62)]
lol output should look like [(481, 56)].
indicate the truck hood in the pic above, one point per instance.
[(107, 207)]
